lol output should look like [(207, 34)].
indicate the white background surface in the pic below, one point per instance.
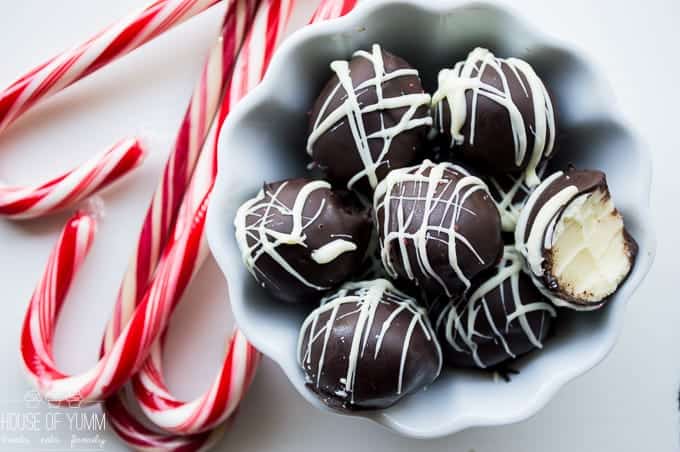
[(628, 403)]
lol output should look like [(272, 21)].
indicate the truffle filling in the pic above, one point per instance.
[(588, 251)]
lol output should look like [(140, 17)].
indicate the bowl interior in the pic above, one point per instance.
[(264, 140)]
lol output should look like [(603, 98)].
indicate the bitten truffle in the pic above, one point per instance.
[(367, 346), (574, 239), (438, 226), (496, 113), (502, 316), (299, 238), (371, 117)]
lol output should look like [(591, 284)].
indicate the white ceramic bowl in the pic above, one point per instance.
[(264, 140)]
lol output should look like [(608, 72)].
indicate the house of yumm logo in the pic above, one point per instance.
[(32, 423)]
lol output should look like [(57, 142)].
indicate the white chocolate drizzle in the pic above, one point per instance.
[(508, 209), (460, 317), (531, 245), (268, 209), (467, 76), (352, 110), (391, 195), (366, 297), (332, 250)]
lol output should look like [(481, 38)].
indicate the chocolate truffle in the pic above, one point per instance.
[(574, 239), (367, 346), (502, 316), (496, 113), (438, 226), (371, 117), (299, 238)]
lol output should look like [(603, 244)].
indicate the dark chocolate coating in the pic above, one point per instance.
[(376, 374), (496, 340), (477, 222), (491, 149), (585, 181), (326, 216), (336, 152)]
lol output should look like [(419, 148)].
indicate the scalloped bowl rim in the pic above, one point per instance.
[(458, 421)]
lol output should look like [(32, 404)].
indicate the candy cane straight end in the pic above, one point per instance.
[(72, 187)]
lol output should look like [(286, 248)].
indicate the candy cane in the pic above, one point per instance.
[(215, 405), (226, 391), (180, 166), (73, 186), (241, 358), (129, 350), (239, 365), (149, 385), (60, 72)]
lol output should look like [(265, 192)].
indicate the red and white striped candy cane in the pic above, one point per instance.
[(60, 72), (241, 360), (238, 368), (165, 203), (214, 406), (129, 350), (73, 186), (149, 385)]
